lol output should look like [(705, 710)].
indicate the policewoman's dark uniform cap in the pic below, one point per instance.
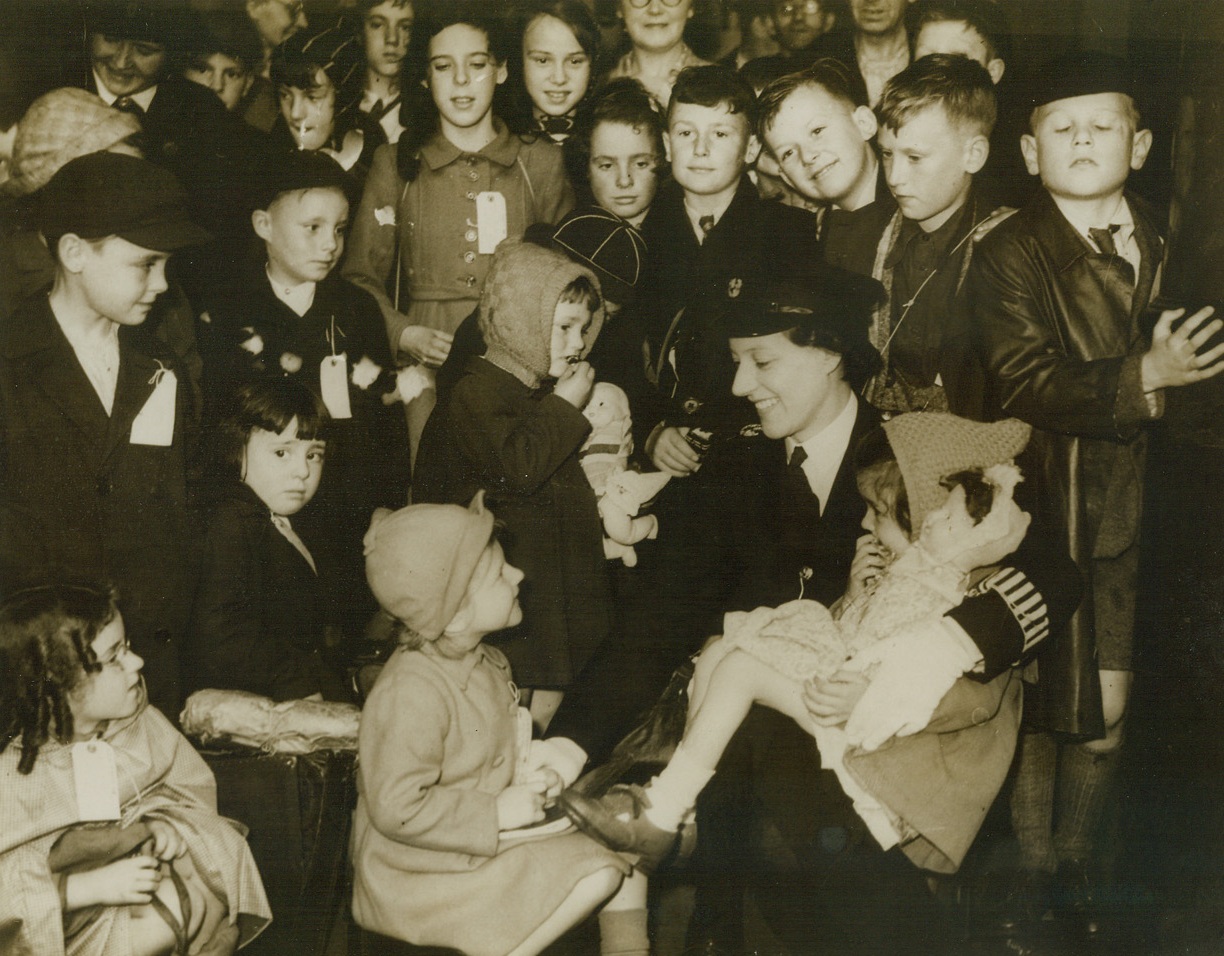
[(830, 298), (110, 194), (1081, 73)]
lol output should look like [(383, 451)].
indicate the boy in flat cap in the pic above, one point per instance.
[(1058, 292), (92, 407), (287, 313)]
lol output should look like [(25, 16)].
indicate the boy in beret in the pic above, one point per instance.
[(93, 407), (288, 313), (1058, 293)]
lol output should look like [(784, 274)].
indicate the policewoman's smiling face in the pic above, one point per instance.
[(791, 386)]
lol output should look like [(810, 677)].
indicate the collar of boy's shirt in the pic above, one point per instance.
[(143, 99), (695, 218), (825, 451), (1123, 236), (925, 250), (298, 297), (439, 151)]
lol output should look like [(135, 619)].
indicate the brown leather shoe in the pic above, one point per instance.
[(618, 822)]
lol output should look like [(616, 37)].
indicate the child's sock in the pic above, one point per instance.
[(623, 933), (1084, 779), (674, 791), (1032, 802)]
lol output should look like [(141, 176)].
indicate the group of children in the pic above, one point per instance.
[(440, 327)]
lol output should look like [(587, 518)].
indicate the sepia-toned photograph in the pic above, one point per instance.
[(612, 477)]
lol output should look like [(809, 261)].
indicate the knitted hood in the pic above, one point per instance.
[(932, 445), (516, 309)]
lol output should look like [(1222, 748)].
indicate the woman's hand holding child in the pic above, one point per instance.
[(575, 384), (521, 805), (830, 702)]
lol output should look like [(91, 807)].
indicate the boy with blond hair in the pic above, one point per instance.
[(1058, 293)]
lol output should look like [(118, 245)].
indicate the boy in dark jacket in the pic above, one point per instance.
[(1058, 292), (93, 408)]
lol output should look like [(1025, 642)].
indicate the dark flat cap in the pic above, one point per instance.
[(1081, 73), (828, 297), (289, 170), (112, 194)]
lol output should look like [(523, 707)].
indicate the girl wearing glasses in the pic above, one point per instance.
[(659, 53), (110, 816), (437, 203)]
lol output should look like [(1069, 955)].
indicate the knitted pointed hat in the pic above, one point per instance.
[(932, 445)]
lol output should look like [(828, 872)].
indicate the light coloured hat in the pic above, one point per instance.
[(420, 560), (57, 128)]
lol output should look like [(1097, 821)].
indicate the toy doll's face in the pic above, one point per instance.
[(623, 169), (463, 75), (556, 69), (222, 74), (310, 114), (880, 522), (822, 145), (282, 469), (571, 323), (387, 28), (946, 530), (112, 693), (304, 234)]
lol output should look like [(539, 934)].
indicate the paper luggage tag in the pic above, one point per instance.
[(490, 221), (96, 779), (154, 424), (333, 383)]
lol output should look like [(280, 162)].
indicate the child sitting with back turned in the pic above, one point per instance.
[(513, 425), (446, 762), (939, 490), (111, 842)]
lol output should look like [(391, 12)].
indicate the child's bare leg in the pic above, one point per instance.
[(148, 932), (703, 669), (582, 901), (738, 681), (623, 924)]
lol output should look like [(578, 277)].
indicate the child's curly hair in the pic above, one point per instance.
[(46, 635)]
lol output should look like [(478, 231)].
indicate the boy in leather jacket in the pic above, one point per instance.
[(1058, 292)]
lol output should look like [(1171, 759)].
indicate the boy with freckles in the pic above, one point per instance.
[(1058, 292)]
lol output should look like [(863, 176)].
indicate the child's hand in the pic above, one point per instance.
[(575, 384), (670, 453), (830, 702), (1173, 359), (428, 346), (127, 882), (553, 784), (521, 805), (167, 844), (870, 559)]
